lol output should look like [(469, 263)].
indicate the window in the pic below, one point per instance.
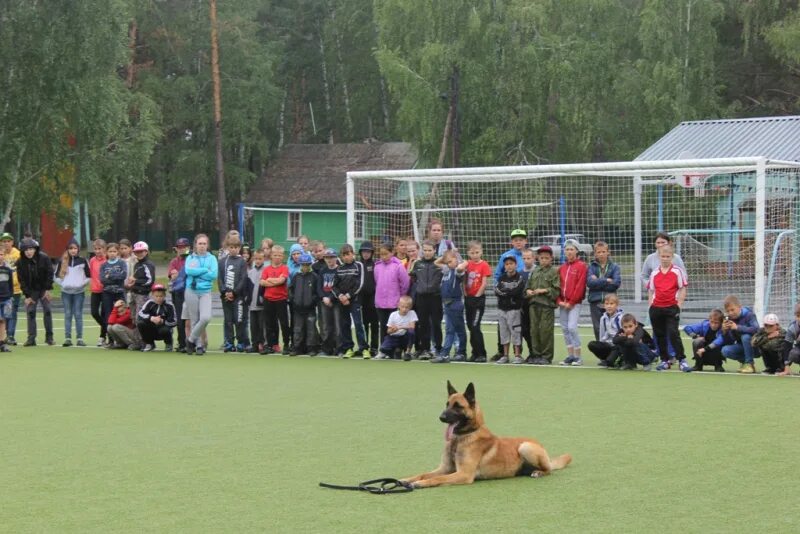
[(293, 225), (359, 227)]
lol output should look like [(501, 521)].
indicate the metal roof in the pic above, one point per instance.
[(776, 138)]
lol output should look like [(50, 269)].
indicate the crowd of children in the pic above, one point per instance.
[(393, 297)]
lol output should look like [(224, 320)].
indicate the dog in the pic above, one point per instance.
[(472, 452)]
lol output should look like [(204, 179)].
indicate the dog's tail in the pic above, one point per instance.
[(560, 462)]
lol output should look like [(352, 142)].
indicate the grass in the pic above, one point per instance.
[(114, 441)]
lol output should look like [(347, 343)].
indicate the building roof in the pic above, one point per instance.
[(315, 174), (776, 138)]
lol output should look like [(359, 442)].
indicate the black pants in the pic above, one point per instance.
[(151, 332), (665, 326), (329, 329), (257, 328), (430, 313), (709, 357), (177, 302), (372, 326), (773, 360), (383, 319), (276, 313), (304, 329), (474, 308), (602, 350), (234, 329), (596, 310), (98, 313), (525, 327)]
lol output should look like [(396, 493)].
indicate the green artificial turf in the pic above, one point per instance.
[(107, 441)]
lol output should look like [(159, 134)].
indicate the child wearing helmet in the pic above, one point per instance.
[(303, 298), (234, 288)]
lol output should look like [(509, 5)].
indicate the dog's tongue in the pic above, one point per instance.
[(448, 434)]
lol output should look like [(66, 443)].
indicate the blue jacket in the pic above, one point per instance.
[(747, 323), (500, 269), (294, 267), (598, 289), (701, 330), (201, 271), (452, 285)]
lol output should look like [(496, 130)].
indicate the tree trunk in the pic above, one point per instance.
[(222, 204), (326, 91), (131, 74), (348, 117), (282, 116), (12, 187)]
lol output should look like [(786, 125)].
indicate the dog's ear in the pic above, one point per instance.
[(469, 394), (450, 389)]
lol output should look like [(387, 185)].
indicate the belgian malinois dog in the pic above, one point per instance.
[(472, 452)]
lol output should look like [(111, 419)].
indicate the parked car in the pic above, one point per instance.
[(584, 248)]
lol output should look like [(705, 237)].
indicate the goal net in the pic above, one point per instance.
[(733, 220)]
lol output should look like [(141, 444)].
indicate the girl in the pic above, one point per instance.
[(96, 288), (391, 283), (73, 276), (400, 250), (201, 272), (573, 287)]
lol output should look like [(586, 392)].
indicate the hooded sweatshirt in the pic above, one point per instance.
[(144, 274), (294, 267), (76, 276), (391, 283), (35, 274)]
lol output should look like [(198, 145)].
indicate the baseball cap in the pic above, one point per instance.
[(182, 242), (509, 258), (158, 287), (545, 248), (329, 252), (5, 236), (140, 246), (770, 319), (305, 259), (571, 243), (518, 232)]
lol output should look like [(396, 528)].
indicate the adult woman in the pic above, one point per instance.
[(436, 234), (652, 262), (201, 271)]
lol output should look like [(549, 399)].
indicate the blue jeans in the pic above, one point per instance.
[(454, 327), (741, 352), (11, 324), (345, 335), (73, 307)]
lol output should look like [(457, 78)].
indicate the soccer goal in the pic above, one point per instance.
[(733, 220)]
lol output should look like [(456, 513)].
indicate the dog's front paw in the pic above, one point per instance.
[(537, 474)]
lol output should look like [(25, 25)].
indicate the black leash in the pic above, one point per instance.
[(379, 486)]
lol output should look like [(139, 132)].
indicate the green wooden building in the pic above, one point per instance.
[(303, 191)]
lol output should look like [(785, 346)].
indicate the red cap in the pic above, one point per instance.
[(545, 248), (158, 287)]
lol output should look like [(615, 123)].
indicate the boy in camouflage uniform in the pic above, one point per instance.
[(544, 286)]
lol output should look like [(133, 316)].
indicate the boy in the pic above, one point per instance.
[(328, 317), (121, 334), (478, 272), (177, 286), (274, 280), (12, 257), (603, 278), (347, 284), (739, 325), (6, 295), (791, 344), (35, 273), (141, 276), (453, 305), (257, 332), (634, 344), (610, 324), (372, 327), (234, 287), (519, 241), (303, 297), (399, 331), (707, 341), (543, 288), (528, 264), (156, 319), (769, 341), (318, 251), (510, 291), (426, 279)]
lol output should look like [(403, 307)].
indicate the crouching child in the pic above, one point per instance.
[(707, 341), (769, 341), (121, 334), (156, 319), (303, 298), (399, 331), (791, 344), (608, 327), (634, 344)]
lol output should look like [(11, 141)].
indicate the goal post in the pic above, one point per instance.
[(739, 203)]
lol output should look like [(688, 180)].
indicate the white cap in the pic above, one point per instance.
[(770, 319)]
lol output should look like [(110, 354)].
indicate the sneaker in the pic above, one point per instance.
[(719, 369), (228, 347), (478, 359), (628, 367), (569, 360), (100, 342), (200, 350), (67, 343), (30, 342), (348, 354), (747, 369), (323, 354), (312, 353), (518, 360), (50, 341), (602, 363), (425, 355), (698, 367), (441, 359), (4, 347), (502, 360), (460, 358), (147, 348), (134, 346), (540, 361), (240, 347), (80, 343), (292, 353), (366, 354), (190, 347), (11, 341), (647, 367), (407, 356), (496, 357), (167, 347), (382, 356), (577, 362), (286, 351), (684, 366)]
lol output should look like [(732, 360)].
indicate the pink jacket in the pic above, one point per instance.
[(391, 283)]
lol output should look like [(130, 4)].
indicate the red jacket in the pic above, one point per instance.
[(124, 319), (573, 282)]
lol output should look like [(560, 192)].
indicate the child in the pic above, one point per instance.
[(791, 344), (318, 251), (412, 254), (573, 288), (372, 325), (233, 285), (667, 291), (328, 317), (427, 280), (140, 277), (400, 250), (634, 344), (602, 278), (35, 273), (707, 341), (303, 296), (121, 334), (391, 283), (73, 277), (528, 264), (399, 331), (610, 324), (266, 247), (201, 269), (510, 291), (113, 274), (125, 253), (303, 242), (247, 254), (739, 325), (293, 264), (769, 341), (519, 242), (257, 326), (542, 290), (478, 273), (453, 305), (156, 319), (12, 257), (274, 280), (6, 295), (177, 286), (347, 284), (99, 314)]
